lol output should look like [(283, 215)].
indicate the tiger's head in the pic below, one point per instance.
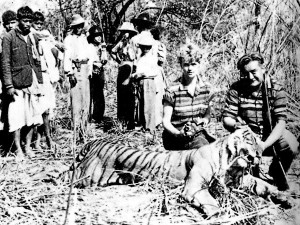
[(243, 147), (243, 151)]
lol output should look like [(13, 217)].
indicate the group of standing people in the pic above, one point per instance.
[(141, 81), (30, 62), (29, 73)]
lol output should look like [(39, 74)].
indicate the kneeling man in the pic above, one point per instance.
[(248, 99)]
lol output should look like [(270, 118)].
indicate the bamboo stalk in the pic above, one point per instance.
[(73, 174)]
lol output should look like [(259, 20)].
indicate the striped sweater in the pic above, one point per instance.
[(249, 105), (185, 106)]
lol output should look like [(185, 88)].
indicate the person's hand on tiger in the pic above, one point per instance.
[(202, 122), (188, 131), (262, 145)]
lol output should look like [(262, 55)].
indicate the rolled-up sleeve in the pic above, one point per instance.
[(231, 104), (6, 60), (169, 97)]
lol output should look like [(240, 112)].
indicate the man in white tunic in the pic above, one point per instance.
[(76, 67)]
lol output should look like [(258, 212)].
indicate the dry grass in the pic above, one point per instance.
[(31, 194)]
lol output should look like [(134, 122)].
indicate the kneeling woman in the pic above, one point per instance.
[(186, 105)]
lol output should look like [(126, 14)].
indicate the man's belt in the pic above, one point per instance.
[(78, 63)]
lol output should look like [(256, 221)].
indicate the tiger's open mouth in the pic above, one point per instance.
[(246, 161), (251, 160)]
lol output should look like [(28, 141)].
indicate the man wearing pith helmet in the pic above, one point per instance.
[(146, 72), (77, 69), (143, 22), (123, 54)]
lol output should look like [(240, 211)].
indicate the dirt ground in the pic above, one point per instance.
[(31, 194)]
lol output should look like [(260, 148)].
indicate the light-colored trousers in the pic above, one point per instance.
[(80, 100)]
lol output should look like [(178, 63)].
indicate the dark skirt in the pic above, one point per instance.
[(171, 142), (97, 96), (125, 97)]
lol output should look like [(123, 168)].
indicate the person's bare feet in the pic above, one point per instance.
[(29, 153), (19, 155)]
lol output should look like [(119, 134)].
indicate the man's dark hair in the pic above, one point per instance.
[(245, 59), (38, 16), (94, 31), (8, 16), (24, 12)]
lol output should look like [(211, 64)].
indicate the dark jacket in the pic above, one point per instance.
[(18, 61)]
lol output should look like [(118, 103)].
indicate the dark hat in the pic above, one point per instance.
[(143, 18), (95, 31)]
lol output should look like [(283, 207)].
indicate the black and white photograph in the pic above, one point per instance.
[(149, 112)]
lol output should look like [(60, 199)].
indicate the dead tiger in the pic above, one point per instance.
[(102, 163)]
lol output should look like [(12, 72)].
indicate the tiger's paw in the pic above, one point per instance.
[(283, 199)]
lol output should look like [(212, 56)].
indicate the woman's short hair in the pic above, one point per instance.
[(38, 16), (24, 12), (245, 59), (189, 52), (8, 16)]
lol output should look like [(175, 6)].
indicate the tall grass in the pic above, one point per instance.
[(229, 29)]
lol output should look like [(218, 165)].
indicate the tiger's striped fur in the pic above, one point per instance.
[(102, 163), (121, 164)]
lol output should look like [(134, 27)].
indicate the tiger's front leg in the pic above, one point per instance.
[(266, 190), (88, 172), (94, 171), (196, 192)]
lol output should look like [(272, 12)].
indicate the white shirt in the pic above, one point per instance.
[(147, 64), (76, 48)]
